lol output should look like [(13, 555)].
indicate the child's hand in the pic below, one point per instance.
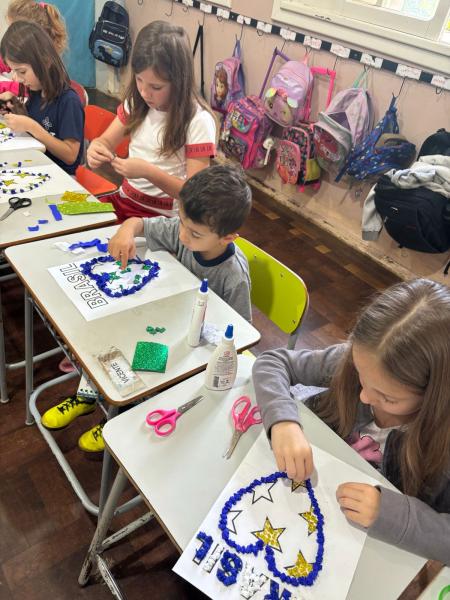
[(132, 168), (19, 122), (98, 153), (360, 502), (122, 245), (292, 450)]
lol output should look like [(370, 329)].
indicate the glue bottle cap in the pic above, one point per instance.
[(204, 286), (229, 332)]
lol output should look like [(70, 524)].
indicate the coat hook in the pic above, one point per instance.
[(401, 87), (171, 10), (203, 21), (335, 63), (242, 31), (185, 8), (259, 32)]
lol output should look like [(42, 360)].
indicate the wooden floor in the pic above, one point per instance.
[(44, 531)]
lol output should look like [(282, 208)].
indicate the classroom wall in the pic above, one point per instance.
[(335, 207)]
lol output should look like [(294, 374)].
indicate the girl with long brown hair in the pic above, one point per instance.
[(55, 114), (389, 397), (172, 131)]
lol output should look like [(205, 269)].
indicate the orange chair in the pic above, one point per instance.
[(97, 120)]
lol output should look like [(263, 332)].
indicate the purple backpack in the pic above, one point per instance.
[(228, 84), (244, 131), (287, 100)]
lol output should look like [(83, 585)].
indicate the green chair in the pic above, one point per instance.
[(277, 292)]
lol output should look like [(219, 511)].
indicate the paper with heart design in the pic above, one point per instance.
[(280, 514)]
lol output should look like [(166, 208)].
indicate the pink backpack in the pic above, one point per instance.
[(228, 84), (244, 131), (287, 100)]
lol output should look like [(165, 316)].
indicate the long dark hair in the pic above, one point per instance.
[(28, 43), (408, 328), (166, 50)]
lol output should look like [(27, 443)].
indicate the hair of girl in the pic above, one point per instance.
[(27, 43), (222, 76), (45, 15), (166, 50), (407, 328)]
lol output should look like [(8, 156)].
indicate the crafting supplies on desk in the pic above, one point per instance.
[(15, 203), (163, 422), (244, 415)]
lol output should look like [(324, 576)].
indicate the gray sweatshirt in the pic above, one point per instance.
[(422, 527), (228, 275)]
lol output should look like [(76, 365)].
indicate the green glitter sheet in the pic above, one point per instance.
[(150, 356)]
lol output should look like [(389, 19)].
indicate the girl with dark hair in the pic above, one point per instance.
[(55, 114), (389, 398), (172, 130)]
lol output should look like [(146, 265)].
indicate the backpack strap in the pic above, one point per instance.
[(319, 71), (361, 80), (198, 39), (237, 49)]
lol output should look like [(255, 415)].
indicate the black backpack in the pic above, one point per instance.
[(110, 40), (416, 218), (438, 143)]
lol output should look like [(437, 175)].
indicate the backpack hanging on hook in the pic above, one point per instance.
[(110, 40), (228, 84)]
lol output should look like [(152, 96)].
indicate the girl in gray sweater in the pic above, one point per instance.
[(389, 397)]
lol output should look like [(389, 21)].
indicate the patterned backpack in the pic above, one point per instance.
[(228, 84), (383, 149), (244, 131), (287, 100), (296, 158), (342, 126)]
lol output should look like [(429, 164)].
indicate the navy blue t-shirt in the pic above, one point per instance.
[(63, 118)]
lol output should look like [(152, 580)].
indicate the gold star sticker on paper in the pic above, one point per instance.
[(269, 535), (23, 175), (302, 567), (297, 484), (311, 519), (9, 181)]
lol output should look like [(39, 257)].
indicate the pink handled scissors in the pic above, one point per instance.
[(165, 421), (244, 416)]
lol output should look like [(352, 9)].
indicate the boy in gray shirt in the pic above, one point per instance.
[(213, 204)]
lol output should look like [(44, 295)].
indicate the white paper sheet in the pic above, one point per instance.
[(58, 183), (92, 303), (283, 506), (20, 141)]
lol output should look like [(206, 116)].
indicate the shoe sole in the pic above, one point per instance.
[(65, 426)]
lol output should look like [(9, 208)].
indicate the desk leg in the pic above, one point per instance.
[(3, 389), (28, 356), (106, 468), (102, 527)]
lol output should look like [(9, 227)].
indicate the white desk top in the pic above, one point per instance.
[(124, 329), (21, 141), (180, 461), (14, 229)]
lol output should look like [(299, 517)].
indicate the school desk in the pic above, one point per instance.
[(14, 229), (439, 588), (182, 500), (86, 339)]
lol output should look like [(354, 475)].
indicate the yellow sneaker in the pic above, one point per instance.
[(64, 413), (92, 440)]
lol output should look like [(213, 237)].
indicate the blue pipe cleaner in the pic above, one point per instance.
[(307, 580), (95, 242)]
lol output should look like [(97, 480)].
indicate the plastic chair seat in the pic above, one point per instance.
[(93, 183)]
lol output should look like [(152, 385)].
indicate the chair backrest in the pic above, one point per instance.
[(97, 120), (277, 292)]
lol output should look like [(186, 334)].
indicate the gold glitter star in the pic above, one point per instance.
[(311, 519), (23, 175), (297, 484), (8, 181), (269, 535), (302, 567)]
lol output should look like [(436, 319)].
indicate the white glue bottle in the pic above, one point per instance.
[(198, 315), (222, 366)]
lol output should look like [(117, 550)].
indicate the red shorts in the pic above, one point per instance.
[(137, 204)]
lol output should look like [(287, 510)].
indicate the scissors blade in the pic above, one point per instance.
[(234, 440), (185, 407), (7, 213)]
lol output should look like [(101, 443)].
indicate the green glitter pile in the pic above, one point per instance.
[(80, 208), (149, 356), (154, 330)]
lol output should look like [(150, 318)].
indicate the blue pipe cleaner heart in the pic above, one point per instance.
[(150, 270)]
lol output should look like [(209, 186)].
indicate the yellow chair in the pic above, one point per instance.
[(277, 292)]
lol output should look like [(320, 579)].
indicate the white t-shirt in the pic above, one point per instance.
[(146, 141)]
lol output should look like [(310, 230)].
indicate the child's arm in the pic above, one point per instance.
[(400, 520), (274, 372), (101, 149), (66, 150), (122, 245), (135, 168)]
